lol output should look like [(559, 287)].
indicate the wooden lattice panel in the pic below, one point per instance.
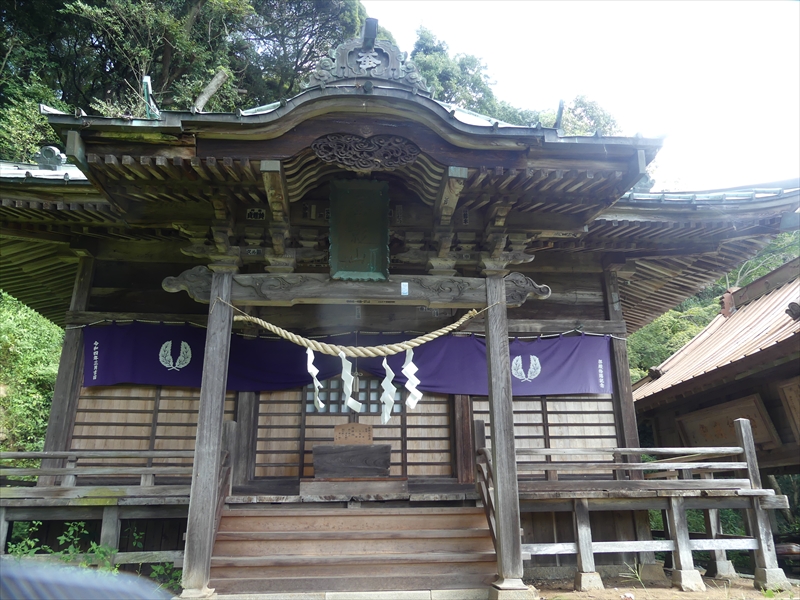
[(557, 422), (279, 434), (139, 418), (428, 434)]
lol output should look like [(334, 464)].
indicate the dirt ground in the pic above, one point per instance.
[(616, 589)]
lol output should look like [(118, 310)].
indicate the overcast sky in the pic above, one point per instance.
[(721, 80)]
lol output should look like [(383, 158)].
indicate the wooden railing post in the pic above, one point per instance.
[(719, 566), (4, 527), (684, 575), (768, 575), (208, 443), (504, 459), (480, 434)]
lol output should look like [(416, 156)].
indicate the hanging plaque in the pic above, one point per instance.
[(359, 231)]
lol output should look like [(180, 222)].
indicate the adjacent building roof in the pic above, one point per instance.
[(764, 319)]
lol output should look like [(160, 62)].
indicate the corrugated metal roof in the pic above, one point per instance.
[(755, 326)]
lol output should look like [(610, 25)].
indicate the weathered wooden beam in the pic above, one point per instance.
[(76, 150), (89, 317), (623, 394), (208, 444), (447, 196), (70, 373), (552, 326), (312, 288), (506, 500)]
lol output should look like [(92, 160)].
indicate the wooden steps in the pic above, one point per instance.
[(363, 549)]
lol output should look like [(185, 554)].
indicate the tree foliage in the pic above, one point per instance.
[(30, 347), (93, 53)]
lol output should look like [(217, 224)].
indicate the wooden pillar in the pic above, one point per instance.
[(586, 578), (465, 446), (719, 566), (70, 375), (244, 447), (109, 530), (208, 442), (768, 575), (628, 434), (684, 575), (504, 459)]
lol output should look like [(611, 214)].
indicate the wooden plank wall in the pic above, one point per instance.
[(564, 422), (278, 437), (284, 427), (139, 418), (557, 422), (429, 437)]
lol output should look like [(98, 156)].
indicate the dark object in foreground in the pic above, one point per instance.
[(38, 581)]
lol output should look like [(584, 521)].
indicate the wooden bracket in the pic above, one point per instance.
[(447, 197)]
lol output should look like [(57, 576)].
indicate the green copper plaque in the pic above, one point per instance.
[(359, 230)]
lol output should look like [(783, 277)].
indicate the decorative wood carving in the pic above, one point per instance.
[(364, 155), (316, 288), (383, 60)]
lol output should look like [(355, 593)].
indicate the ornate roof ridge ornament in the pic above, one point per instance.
[(368, 58)]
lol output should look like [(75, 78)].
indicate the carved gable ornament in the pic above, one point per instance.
[(355, 153), (352, 60)]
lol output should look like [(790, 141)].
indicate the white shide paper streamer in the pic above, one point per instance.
[(347, 384), (387, 398), (314, 371), (409, 370)]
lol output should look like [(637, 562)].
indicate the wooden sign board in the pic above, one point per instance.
[(714, 426), (789, 392), (352, 434)]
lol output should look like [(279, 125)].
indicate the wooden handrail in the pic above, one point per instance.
[(100, 454), (721, 451), (484, 483), (70, 471)]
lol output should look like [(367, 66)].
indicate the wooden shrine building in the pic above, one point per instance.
[(365, 213)]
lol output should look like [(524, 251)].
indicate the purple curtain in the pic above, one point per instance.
[(140, 353)]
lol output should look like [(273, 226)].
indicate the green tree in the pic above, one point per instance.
[(289, 37), (30, 347)]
